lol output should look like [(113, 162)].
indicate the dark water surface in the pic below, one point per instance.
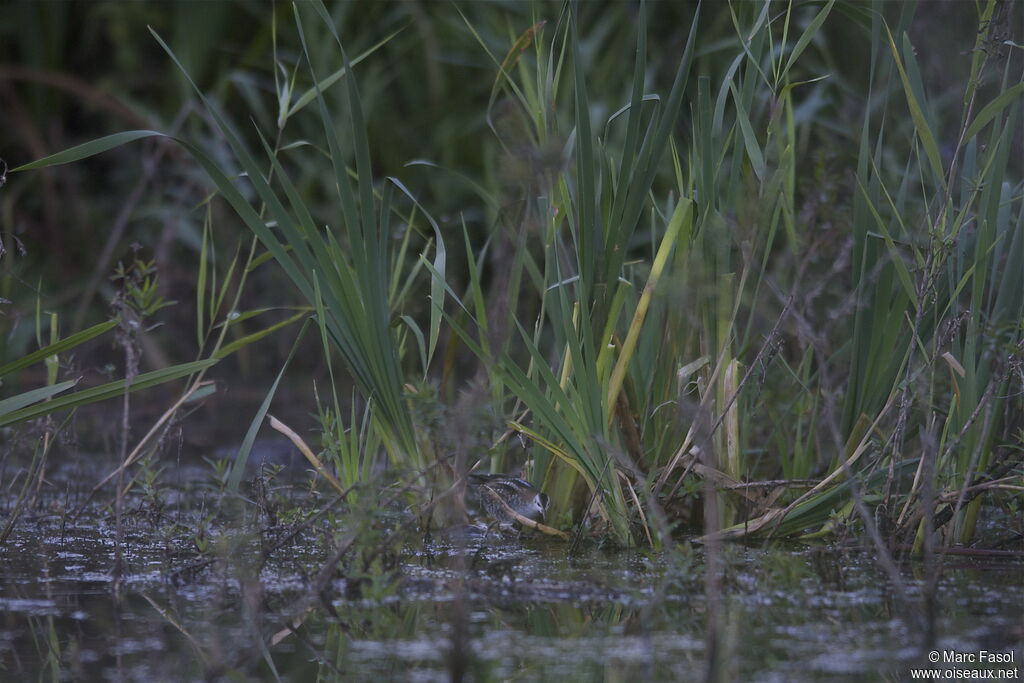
[(494, 607)]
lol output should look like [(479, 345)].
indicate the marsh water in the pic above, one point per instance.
[(196, 601)]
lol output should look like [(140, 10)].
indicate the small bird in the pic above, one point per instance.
[(495, 494)]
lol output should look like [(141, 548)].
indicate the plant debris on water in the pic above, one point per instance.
[(201, 587)]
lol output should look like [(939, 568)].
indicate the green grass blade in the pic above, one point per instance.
[(807, 36), (749, 138), (105, 391), (992, 109), (19, 401), (58, 347), (238, 467), (229, 349), (924, 131), (327, 82), (88, 149)]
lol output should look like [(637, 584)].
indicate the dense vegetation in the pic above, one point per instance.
[(748, 269)]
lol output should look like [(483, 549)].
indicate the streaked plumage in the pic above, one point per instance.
[(518, 494)]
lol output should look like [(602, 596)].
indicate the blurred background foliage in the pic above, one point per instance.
[(73, 71)]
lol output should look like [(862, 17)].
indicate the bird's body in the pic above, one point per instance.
[(496, 494)]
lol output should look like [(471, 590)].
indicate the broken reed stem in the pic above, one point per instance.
[(525, 521)]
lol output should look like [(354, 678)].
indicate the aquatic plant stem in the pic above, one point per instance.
[(712, 559), (131, 370)]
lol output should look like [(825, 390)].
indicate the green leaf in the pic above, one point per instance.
[(260, 334), (105, 391), (992, 109), (19, 401), (437, 273), (53, 349), (327, 82), (420, 343), (808, 35), (257, 421), (924, 131), (88, 149), (749, 138)]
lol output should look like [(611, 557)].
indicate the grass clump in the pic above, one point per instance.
[(714, 275)]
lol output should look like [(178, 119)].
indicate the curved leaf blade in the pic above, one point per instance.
[(88, 149)]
